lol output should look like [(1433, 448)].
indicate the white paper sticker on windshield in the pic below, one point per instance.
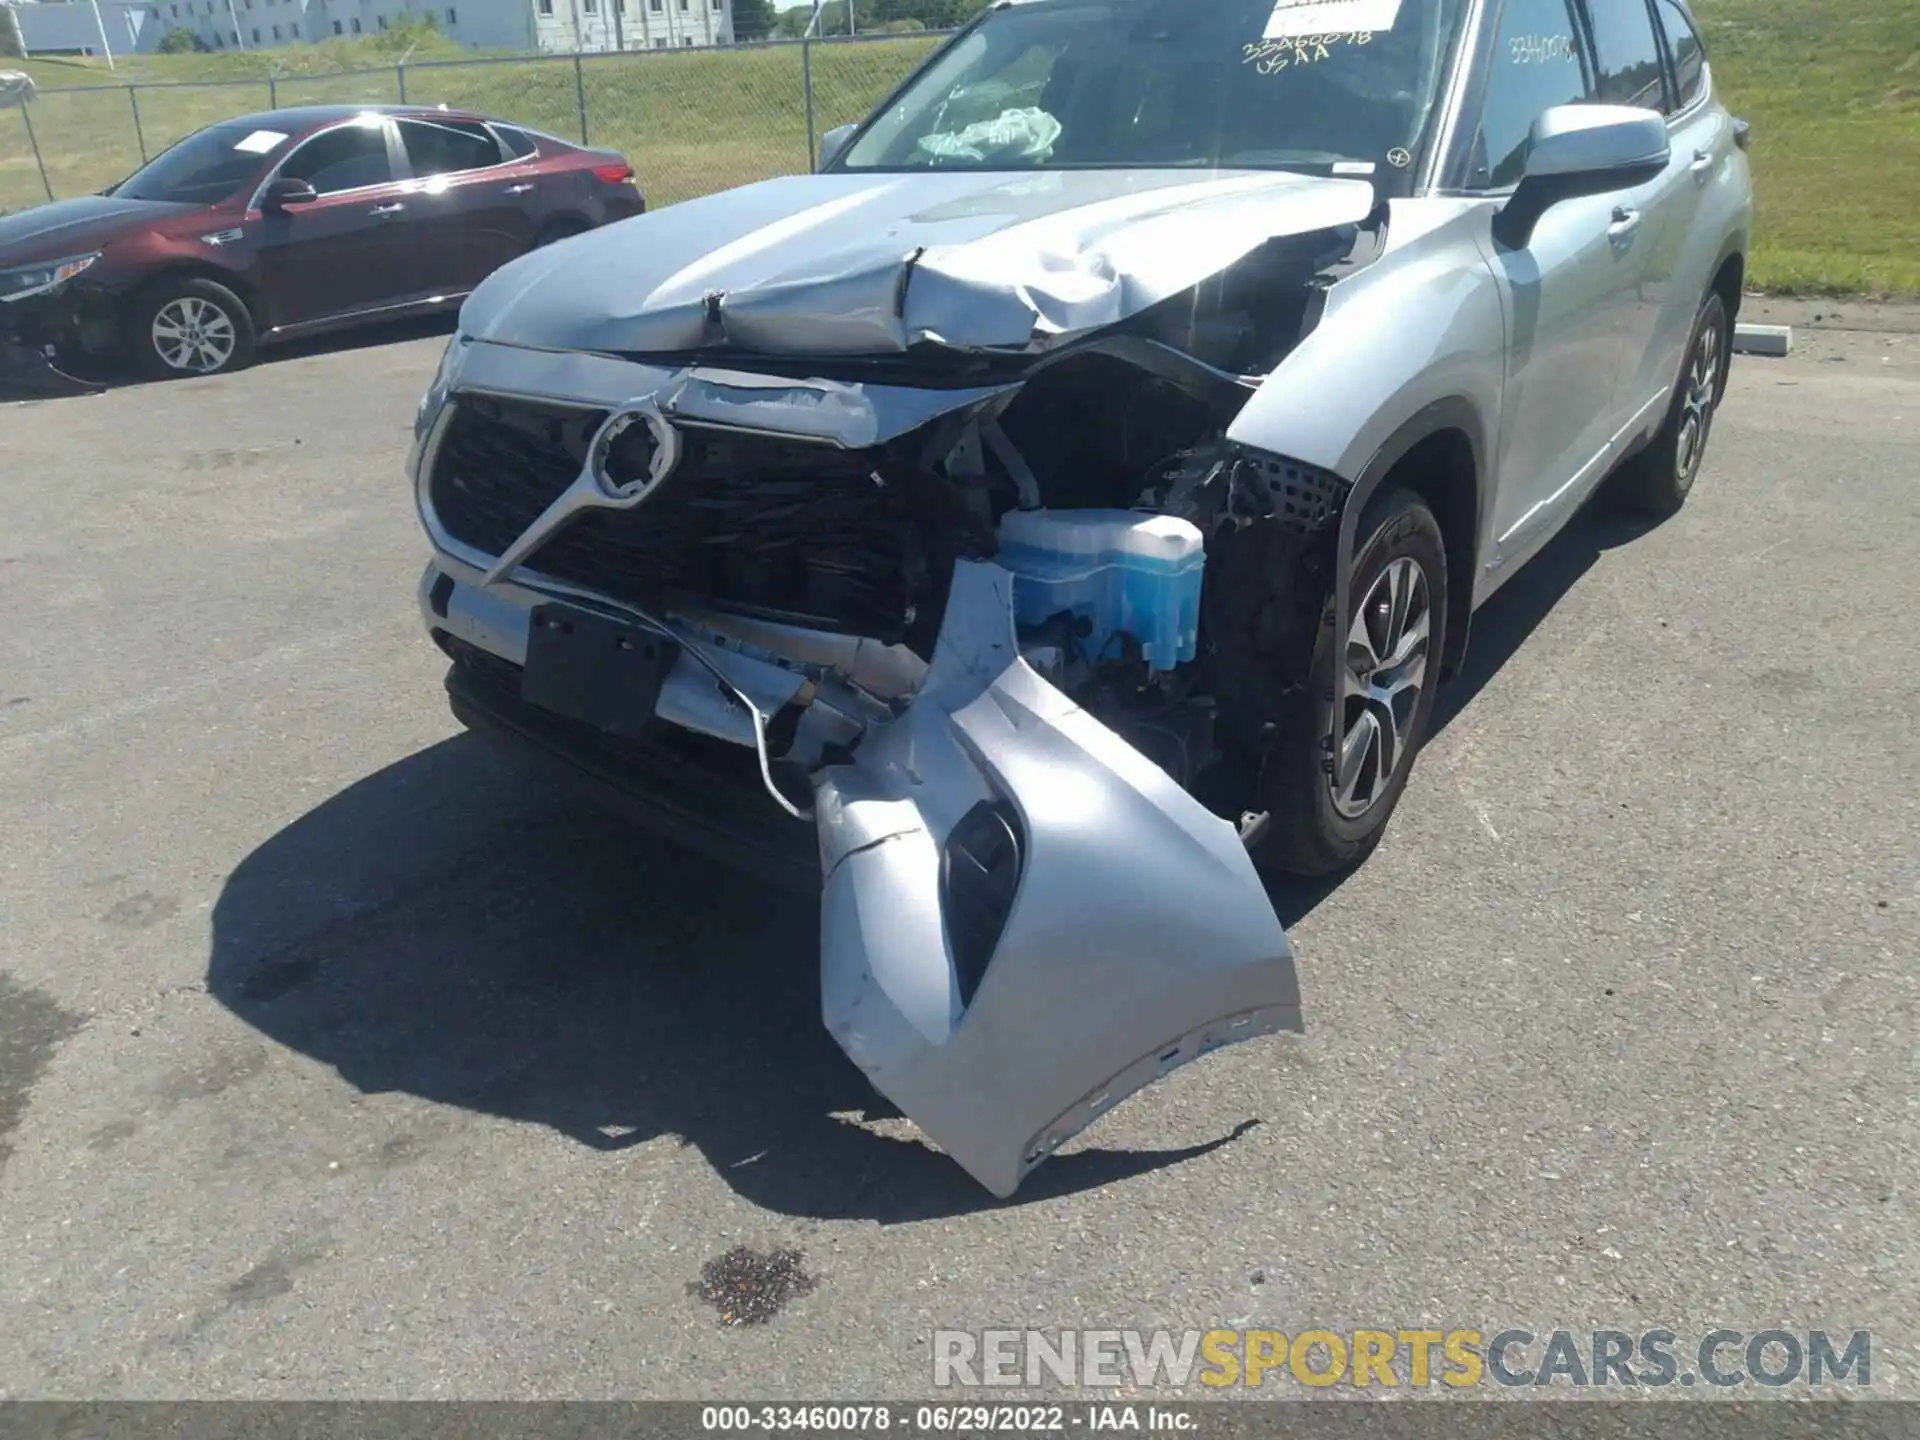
[(1293, 18), (260, 142), (1354, 167)]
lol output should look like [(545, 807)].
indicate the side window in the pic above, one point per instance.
[(1689, 55), (517, 143), (1537, 65), (1627, 54), (347, 158), (446, 147)]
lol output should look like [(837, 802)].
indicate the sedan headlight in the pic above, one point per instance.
[(36, 279)]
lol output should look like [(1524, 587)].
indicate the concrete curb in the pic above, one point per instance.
[(1772, 340)]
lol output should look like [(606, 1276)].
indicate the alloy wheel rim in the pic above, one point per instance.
[(1696, 414), (1381, 682), (193, 335)]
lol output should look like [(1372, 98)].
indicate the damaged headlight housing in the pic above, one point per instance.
[(435, 400), (42, 276), (452, 362)]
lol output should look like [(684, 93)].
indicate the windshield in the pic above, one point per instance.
[(207, 167), (1318, 85)]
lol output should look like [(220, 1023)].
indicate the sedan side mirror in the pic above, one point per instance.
[(284, 193), (1576, 150), (833, 142)]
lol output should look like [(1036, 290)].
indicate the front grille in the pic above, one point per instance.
[(769, 526), (500, 466)]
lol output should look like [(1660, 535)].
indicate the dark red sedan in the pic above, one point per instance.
[(292, 222)]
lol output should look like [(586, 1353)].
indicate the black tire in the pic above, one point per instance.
[(1658, 480), (227, 329), (557, 230), (1313, 833)]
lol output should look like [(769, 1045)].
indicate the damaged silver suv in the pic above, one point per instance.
[(1064, 504)]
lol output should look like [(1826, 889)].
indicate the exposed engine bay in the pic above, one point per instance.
[(1095, 471)]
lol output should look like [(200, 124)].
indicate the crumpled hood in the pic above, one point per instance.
[(848, 264), (73, 227)]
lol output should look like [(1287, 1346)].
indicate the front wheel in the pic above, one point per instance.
[(190, 327), (1338, 767)]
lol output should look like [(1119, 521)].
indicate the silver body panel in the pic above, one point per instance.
[(1103, 980), (1141, 937), (863, 264)]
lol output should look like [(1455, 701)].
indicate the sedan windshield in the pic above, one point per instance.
[(205, 168), (1282, 84)]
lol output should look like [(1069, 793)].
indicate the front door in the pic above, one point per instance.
[(474, 204), (1564, 291), (342, 253)]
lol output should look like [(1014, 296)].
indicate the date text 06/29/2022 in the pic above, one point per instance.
[(942, 1419)]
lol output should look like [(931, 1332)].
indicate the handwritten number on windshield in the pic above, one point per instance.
[(1541, 49), (1270, 57)]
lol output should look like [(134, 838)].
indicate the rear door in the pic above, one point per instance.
[(1701, 133), (472, 202), (1651, 220), (342, 253)]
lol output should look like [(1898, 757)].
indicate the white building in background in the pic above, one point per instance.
[(54, 29), (554, 26), (566, 25)]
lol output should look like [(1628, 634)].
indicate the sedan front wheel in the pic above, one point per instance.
[(191, 327)]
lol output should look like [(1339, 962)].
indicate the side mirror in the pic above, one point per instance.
[(1576, 150), (833, 142), (284, 193)]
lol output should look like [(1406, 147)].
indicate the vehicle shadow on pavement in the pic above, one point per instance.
[(1499, 630), (1505, 621), (446, 928)]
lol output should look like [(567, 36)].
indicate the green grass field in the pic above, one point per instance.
[(1832, 88), (691, 121)]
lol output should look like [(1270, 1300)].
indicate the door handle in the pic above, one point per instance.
[(1702, 161), (1626, 220), (518, 189), (393, 209)]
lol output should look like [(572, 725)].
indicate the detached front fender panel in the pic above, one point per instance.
[(1138, 936)]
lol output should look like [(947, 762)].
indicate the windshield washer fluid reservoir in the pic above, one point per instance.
[(1122, 571)]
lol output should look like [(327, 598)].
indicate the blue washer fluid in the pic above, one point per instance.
[(1120, 570)]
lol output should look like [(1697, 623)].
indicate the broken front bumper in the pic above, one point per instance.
[(1023, 919), (1102, 930)]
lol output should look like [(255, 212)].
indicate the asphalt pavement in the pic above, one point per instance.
[(339, 1058)]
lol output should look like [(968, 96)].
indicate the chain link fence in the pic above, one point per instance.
[(692, 121)]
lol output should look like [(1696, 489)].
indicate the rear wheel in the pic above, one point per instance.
[(557, 230), (1339, 765), (1659, 479), (190, 327)]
